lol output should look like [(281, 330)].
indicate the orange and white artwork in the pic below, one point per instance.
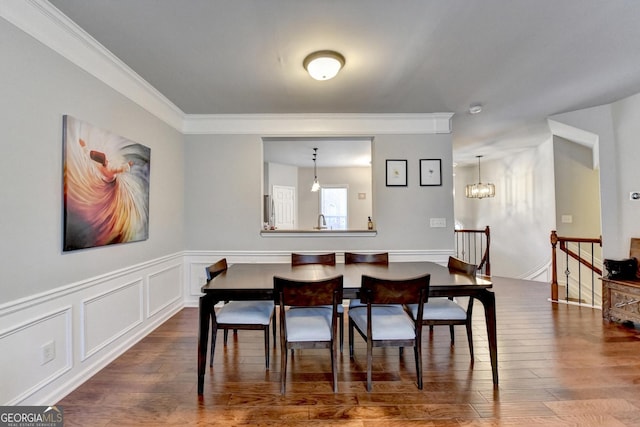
[(106, 187)]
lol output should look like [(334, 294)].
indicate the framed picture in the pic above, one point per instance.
[(396, 173), (106, 187), (430, 172)]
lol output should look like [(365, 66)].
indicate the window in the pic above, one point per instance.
[(333, 205)]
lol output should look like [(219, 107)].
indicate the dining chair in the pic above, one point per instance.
[(385, 320), (304, 259), (298, 259), (244, 315), (359, 258), (313, 321), (446, 311)]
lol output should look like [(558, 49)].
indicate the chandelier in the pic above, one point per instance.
[(479, 190)]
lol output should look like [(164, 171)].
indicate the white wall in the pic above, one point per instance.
[(521, 215), (92, 303)]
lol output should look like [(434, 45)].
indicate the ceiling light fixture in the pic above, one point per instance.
[(324, 64), (475, 108), (479, 190), (316, 185)]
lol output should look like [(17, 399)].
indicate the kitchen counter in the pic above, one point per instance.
[(318, 233)]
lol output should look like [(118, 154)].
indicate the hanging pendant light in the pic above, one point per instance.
[(479, 190), (316, 185)]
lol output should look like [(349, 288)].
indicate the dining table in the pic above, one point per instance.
[(254, 281)]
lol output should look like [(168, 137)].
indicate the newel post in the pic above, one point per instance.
[(554, 267)]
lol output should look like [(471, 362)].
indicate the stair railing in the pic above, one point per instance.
[(583, 258), (473, 246)]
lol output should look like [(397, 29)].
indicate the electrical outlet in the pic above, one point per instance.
[(48, 352), (634, 195)]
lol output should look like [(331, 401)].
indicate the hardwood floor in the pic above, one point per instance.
[(559, 366)]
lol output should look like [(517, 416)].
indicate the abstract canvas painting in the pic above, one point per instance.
[(106, 187)]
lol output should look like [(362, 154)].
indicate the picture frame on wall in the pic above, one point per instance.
[(396, 173), (430, 172), (106, 187)]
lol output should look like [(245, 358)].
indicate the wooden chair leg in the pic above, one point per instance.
[(334, 369), (417, 349), (214, 333), (452, 333), (266, 346), (283, 367), (226, 335), (369, 364), (470, 339), (350, 338), (341, 331), (274, 328)]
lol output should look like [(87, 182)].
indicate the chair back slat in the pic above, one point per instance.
[(356, 258), (303, 259), (384, 291), (460, 266), (215, 269), (308, 293)]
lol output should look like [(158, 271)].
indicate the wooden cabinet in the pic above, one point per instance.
[(621, 300)]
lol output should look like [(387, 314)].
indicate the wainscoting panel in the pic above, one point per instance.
[(82, 327), (26, 344), (110, 315)]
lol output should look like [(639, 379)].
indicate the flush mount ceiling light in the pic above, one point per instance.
[(316, 185), (475, 108), (324, 64), (479, 190)]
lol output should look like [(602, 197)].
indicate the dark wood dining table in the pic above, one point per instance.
[(255, 282)]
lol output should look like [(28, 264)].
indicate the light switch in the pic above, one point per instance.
[(567, 219), (438, 222)]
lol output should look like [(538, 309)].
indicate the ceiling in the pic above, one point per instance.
[(523, 60)]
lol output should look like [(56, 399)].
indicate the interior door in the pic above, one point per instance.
[(284, 207)]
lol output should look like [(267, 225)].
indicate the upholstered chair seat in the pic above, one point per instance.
[(389, 322), (246, 312), (440, 309)]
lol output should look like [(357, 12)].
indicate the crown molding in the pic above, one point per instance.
[(41, 20), (329, 124), (44, 22)]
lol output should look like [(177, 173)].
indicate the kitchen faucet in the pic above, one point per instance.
[(324, 222)]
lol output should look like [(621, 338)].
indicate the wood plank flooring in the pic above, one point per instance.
[(559, 366)]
